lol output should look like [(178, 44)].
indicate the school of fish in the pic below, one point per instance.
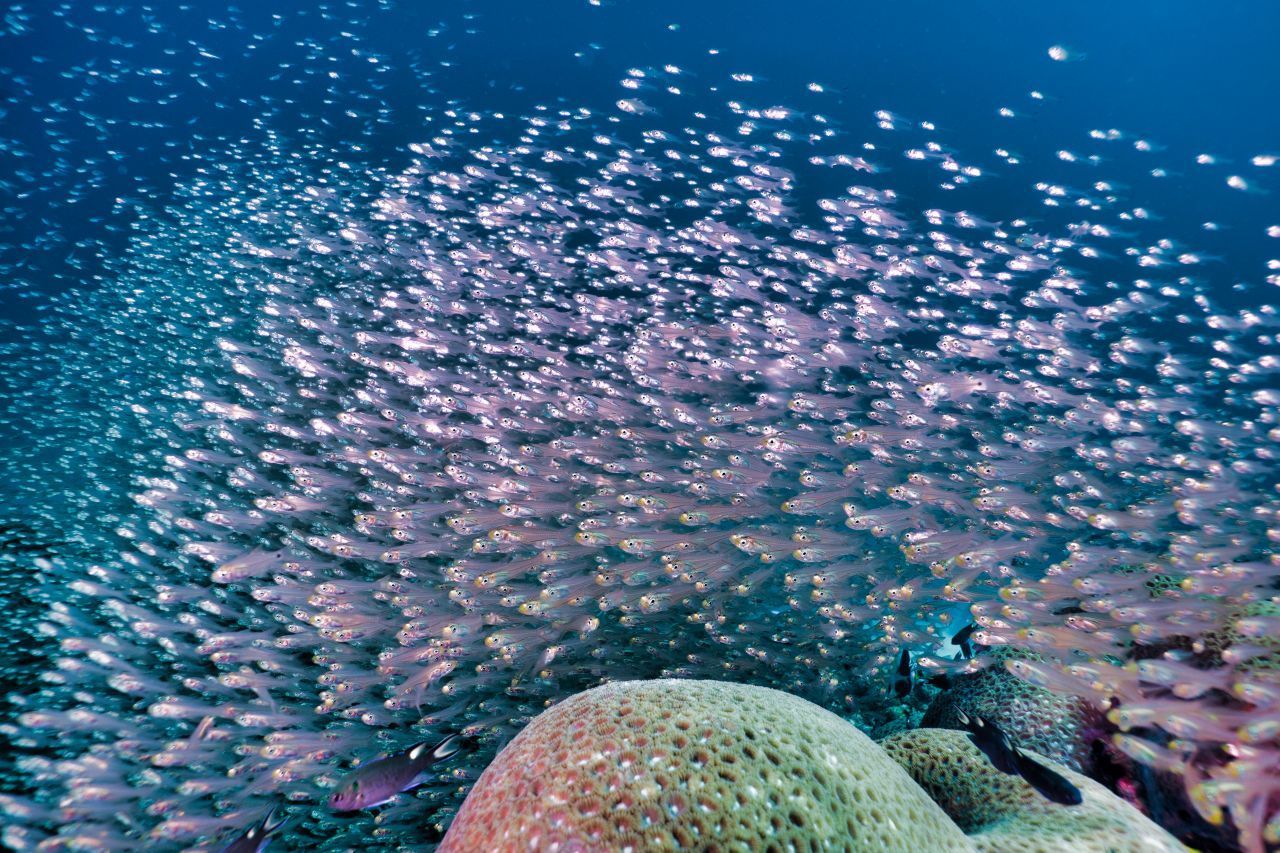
[(610, 393)]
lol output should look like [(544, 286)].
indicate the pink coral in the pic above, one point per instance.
[(695, 764)]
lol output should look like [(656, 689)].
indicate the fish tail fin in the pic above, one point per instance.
[(273, 820)]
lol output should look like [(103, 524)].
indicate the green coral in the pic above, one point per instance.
[(1001, 812)]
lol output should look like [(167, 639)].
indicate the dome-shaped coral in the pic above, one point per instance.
[(1001, 812), (1052, 724), (696, 764)]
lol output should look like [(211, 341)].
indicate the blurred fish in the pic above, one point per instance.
[(376, 782)]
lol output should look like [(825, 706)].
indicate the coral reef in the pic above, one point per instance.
[(1052, 724), (1001, 812), (695, 764)]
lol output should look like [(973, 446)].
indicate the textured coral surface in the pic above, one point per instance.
[(696, 764), (1003, 813), (1053, 724)]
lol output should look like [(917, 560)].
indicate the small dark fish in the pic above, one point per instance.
[(963, 639), (941, 681), (256, 838), (902, 679), (1007, 758), (994, 743), (376, 782)]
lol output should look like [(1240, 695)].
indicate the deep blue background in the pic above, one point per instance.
[(1191, 76)]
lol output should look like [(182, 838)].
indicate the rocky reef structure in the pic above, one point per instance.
[(1001, 812)]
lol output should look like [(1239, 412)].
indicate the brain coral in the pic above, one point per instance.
[(1052, 724), (696, 764), (1001, 812)]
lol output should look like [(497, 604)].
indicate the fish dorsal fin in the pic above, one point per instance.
[(415, 751)]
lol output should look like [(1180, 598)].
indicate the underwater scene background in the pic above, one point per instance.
[(381, 375)]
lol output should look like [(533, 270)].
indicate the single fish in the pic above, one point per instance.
[(993, 742), (1007, 758), (963, 640), (256, 838), (376, 782), (902, 679)]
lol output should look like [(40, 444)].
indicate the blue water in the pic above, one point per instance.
[(1191, 77)]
